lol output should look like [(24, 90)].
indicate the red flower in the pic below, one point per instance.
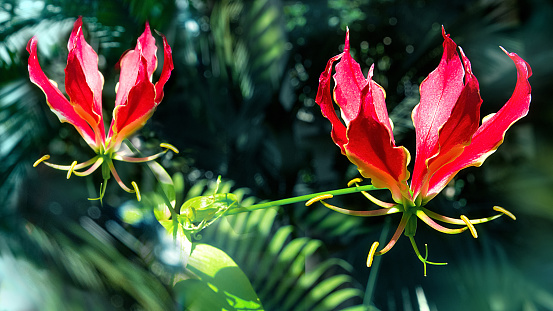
[(447, 124), (136, 99)]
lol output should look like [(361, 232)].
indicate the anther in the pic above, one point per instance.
[(135, 186), (504, 211), (319, 198), (169, 146), (71, 169), (354, 181), (44, 158), (372, 251), (470, 226)]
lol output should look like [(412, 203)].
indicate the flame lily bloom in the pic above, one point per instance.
[(449, 135), (136, 99)]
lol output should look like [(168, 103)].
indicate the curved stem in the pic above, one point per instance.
[(300, 198)]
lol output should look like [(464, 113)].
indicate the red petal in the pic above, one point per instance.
[(166, 72), (131, 61), (349, 84), (371, 147), (55, 99), (457, 132), (439, 93), (83, 81), (491, 133), (324, 99), (133, 114)]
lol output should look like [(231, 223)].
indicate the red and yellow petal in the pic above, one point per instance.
[(83, 81), (166, 71), (491, 133), (130, 63), (372, 149), (349, 84), (324, 100), (439, 93), (133, 114), (56, 100), (457, 132)]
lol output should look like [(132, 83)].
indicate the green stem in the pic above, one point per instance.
[(300, 198)]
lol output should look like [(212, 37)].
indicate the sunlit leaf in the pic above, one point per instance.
[(221, 284)]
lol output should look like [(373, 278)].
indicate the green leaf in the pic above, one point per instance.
[(221, 284), (165, 181), (274, 259)]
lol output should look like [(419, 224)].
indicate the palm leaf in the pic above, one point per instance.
[(285, 270)]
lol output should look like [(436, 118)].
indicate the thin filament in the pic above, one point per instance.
[(368, 196), (147, 159), (404, 219), (91, 169), (455, 221), (67, 167), (437, 226), (118, 179), (378, 212)]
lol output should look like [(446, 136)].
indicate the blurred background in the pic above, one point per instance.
[(240, 103)]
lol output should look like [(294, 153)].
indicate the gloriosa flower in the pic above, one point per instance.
[(449, 136), (136, 99)]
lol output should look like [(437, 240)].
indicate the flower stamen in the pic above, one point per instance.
[(371, 198), (455, 221), (434, 225), (71, 168), (67, 167), (91, 169), (372, 251), (169, 146), (319, 198), (43, 158), (403, 222), (149, 158), (355, 181), (470, 226), (378, 212), (504, 211), (135, 186), (118, 179)]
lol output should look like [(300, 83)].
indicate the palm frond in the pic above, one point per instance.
[(287, 271)]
